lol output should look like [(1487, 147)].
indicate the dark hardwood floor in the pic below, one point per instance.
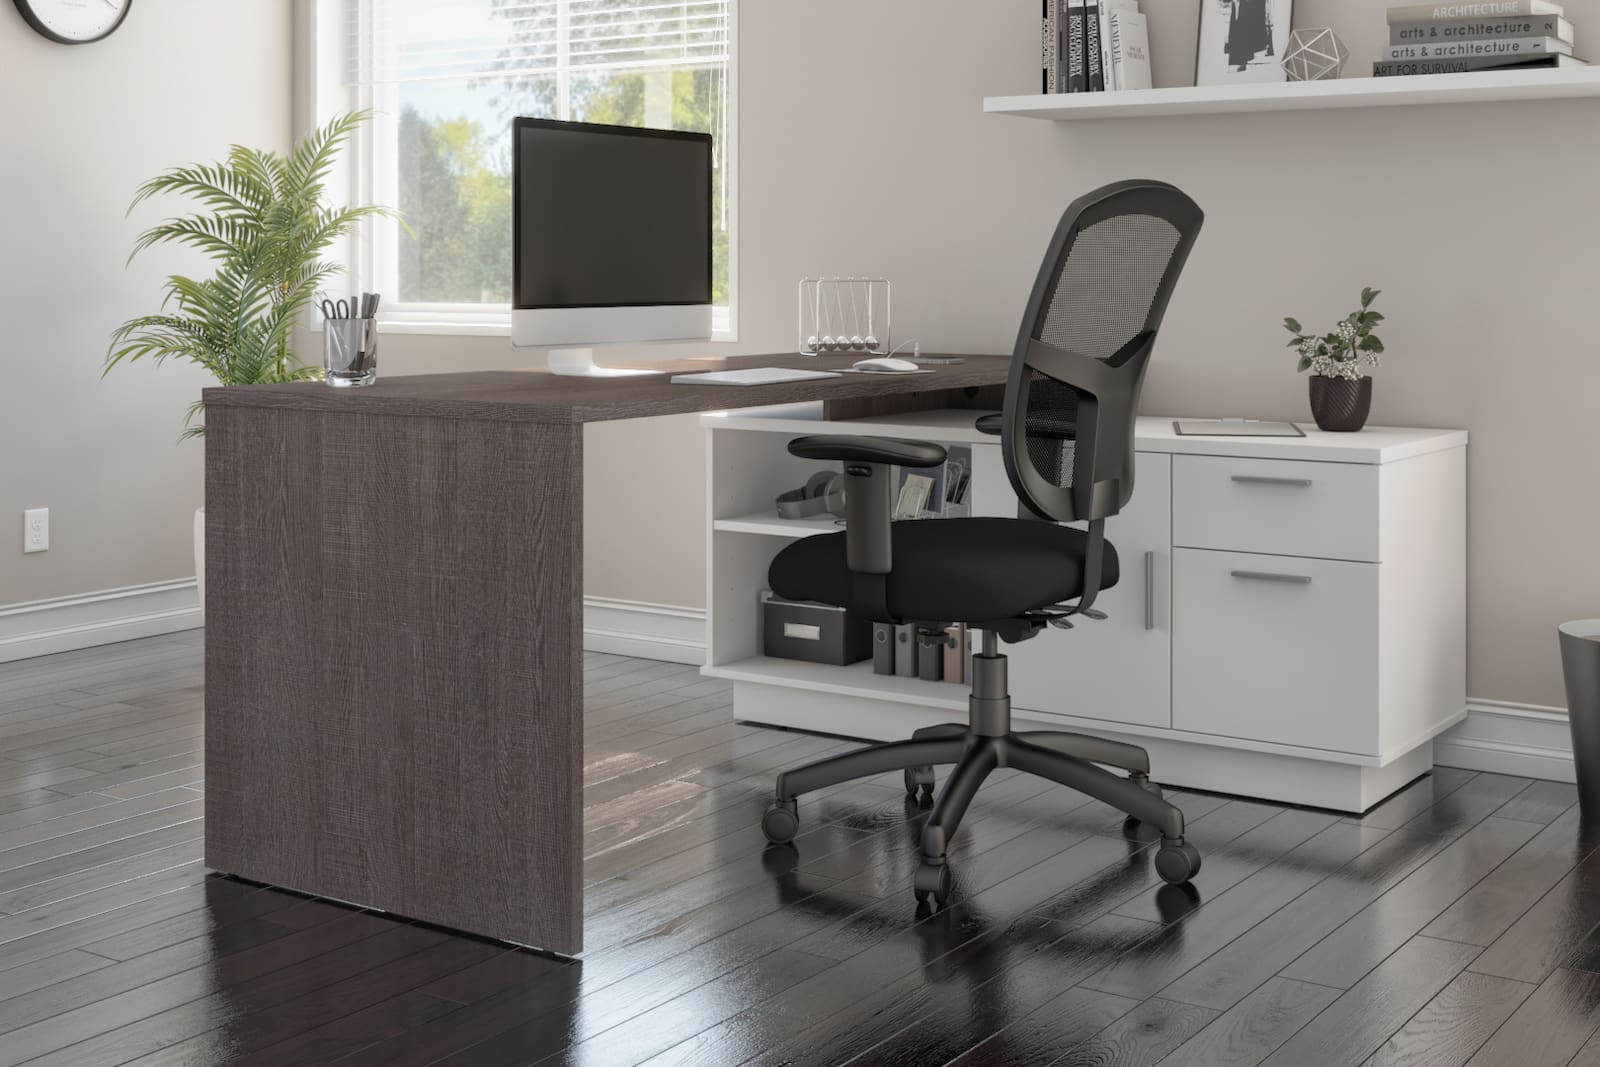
[(1457, 923)]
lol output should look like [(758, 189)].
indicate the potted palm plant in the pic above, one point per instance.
[(262, 221), (1341, 396)]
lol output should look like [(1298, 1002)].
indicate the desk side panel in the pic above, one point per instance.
[(394, 671)]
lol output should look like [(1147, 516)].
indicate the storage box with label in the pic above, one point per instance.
[(818, 633)]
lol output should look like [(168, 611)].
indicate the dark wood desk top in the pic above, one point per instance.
[(538, 396)]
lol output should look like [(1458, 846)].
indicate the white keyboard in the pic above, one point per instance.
[(752, 376)]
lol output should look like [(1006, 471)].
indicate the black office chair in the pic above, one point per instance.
[(1067, 435)]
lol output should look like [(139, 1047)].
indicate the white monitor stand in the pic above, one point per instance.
[(579, 363)]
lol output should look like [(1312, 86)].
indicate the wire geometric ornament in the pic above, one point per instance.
[(1314, 55)]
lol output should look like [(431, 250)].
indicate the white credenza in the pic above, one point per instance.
[(1290, 622)]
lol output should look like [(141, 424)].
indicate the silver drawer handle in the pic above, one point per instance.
[(1259, 479), (1149, 590), (1270, 576)]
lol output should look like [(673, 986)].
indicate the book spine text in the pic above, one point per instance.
[(1465, 29)]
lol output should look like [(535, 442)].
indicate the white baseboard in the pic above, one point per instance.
[(42, 627), (1523, 739), (649, 631)]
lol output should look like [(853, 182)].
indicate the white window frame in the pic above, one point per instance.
[(371, 256)]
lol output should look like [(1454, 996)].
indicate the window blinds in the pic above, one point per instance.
[(389, 41)]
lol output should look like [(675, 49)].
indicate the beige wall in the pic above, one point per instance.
[(82, 126), (863, 150)]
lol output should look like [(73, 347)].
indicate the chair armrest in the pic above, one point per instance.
[(868, 450), (868, 501), (1060, 425)]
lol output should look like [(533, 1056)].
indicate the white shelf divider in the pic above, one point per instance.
[(765, 522), (1473, 87)]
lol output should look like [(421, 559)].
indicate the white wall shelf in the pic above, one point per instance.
[(1469, 88)]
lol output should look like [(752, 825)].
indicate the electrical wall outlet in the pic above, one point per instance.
[(36, 530)]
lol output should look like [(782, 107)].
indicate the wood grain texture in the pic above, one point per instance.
[(1248, 1032), (705, 948), (393, 664), (537, 396), (1550, 930), (978, 398), (1454, 1024), (1357, 1024), (1550, 1027)]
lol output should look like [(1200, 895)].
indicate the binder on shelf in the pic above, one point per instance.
[(955, 652), (930, 657), (905, 650), (883, 648)]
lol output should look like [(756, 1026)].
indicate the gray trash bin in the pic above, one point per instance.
[(1580, 664)]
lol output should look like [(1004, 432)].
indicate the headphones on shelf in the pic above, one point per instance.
[(823, 494)]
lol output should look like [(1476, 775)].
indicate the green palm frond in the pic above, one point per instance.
[(214, 186), (266, 227), (220, 236), (313, 158)]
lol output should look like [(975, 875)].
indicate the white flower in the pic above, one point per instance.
[(1346, 330)]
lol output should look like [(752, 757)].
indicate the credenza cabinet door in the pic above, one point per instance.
[(1118, 669), (1276, 648)]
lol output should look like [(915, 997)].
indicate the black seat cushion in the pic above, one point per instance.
[(951, 570)]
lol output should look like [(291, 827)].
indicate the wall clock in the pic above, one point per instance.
[(74, 21)]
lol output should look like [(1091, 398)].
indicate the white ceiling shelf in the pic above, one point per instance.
[(1469, 88)]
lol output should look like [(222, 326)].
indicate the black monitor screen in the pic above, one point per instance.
[(609, 216)]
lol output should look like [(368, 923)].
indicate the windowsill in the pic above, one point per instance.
[(493, 327), (487, 329)]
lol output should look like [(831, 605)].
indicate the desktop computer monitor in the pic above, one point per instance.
[(611, 241)]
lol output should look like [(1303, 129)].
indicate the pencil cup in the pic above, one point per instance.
[(350, 352)]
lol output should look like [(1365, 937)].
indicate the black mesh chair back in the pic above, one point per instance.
[(1085, 342)]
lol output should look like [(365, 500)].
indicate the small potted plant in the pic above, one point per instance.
[(1341, 396)]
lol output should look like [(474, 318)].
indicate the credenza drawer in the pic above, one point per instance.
[(1282, 507), (1276, 649)]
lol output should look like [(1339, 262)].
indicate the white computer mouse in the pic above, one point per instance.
[(887, 365)]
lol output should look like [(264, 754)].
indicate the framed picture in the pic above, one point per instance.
[(1242, 41)]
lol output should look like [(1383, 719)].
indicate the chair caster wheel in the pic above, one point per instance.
[(1177, 861), (781, 822), (932, 883), (919, 779)]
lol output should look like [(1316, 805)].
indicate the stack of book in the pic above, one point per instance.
[(1093, 45), (1448, 38)]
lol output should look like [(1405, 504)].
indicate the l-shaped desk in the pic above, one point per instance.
[(394, 672), (394, 682)]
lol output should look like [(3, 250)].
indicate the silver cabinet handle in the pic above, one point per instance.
[(1149, 590), (1261, 479), (1270, 576)]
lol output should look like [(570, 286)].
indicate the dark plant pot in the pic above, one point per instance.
[(1340, 405)]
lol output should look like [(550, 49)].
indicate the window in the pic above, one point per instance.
[(447, 76)]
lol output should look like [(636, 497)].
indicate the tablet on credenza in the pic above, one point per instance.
[(1235, 428)]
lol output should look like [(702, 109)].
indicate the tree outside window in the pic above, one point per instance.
[(662, 65)]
